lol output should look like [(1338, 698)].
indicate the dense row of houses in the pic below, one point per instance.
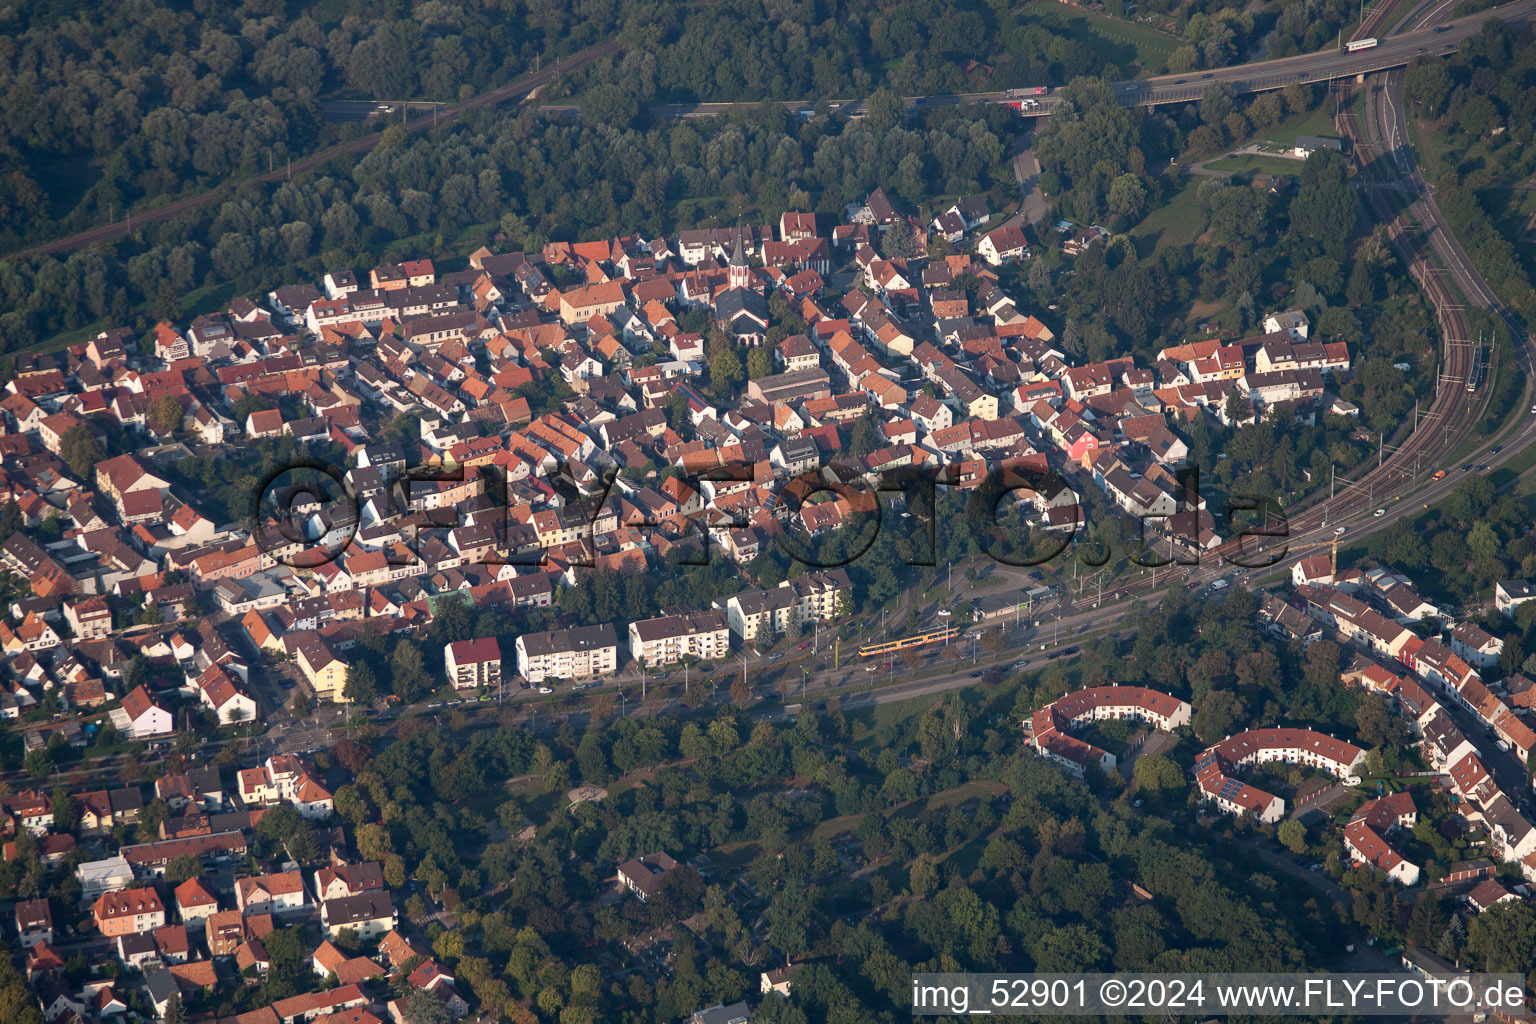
[(1427, 678), (947, 376), (204, 935)]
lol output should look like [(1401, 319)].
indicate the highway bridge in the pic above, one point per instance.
[(1393, 51)]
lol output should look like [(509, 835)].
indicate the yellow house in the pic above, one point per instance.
[(579, 305), (983, 407), (326, 673)]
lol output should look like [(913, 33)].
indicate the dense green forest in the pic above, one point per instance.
[(107, 109), (110, 106), (512, 178), (1480, 106)]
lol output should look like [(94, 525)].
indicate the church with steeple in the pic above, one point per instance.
[(740, 308)]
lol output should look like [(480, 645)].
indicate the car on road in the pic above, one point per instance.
[(1482, 467), (1495, 449), (1182, 81), (776, 657), (1340, 531), (1379, 513), (546, 689), (1466, 467), (801, 647), (1208, 74), (975, 675)]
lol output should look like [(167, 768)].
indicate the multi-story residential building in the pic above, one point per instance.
[(285, 778), (473, 663), (34, 922), (271, 894), (30, 809), (1476, 645), (643, 875), (337, 880), (1215, 768), (1508, 594), (89, 618), (665, 640), (1050, 725), (1366, 836), (141, 716), (568, 653), (323, 669), (128, 912), (195, 902), (368, 914), (785, 608)]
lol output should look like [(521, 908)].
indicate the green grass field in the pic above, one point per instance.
[(1309, 122), (1247, 163), (1137, 49), (1176, 222)]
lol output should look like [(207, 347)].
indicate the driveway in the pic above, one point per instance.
[(1026, 171)]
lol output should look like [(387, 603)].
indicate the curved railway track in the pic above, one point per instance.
[(1394, 194)]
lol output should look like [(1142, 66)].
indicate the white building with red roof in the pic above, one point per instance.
[(1367, 836), (1050, 726), (473, 663), (1216, 768), (141, 717)]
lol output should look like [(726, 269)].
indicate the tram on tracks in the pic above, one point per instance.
[(933, 636)]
